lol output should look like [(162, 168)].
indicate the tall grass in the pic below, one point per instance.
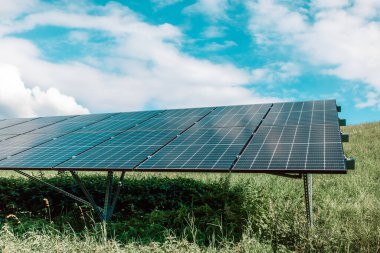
[(346, 214)]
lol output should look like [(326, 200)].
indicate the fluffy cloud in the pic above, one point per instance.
[(18, 101), (372, 99), (341, 38), (276, 72), (11, 9), (142, 65), (164, 3), (214, 9)]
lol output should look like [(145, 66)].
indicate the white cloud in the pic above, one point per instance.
[(18, 101), (78, 37), (213, 46), (214, 32), (330, 3), (276, 72), (271, 22), (144, 65), (342, 39), (164, 3), (9, 9), (214, 9), (372, 99)]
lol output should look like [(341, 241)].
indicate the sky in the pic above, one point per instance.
[(78, 57)]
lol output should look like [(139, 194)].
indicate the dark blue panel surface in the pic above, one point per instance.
[(53, 152), (72, 124), (205, 149), (125, 150), (302, 118), (16, 144), (31, 125), (11, 122)]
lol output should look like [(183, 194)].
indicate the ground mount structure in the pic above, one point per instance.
[(292, 139)]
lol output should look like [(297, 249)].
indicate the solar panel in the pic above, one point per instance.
[(280, 137)]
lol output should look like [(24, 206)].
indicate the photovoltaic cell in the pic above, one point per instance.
[(111, 126), (292, 157), (6, 136), (180, 123), (16, 144), (302, 118), (71, 124), (31, 125), (91, 117), (120, 122), (54, 152), (10, 122), (248, 116), (318, 105), (205, 149), (124, 151), (194, 112)]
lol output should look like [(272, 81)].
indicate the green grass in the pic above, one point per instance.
[(346, 213)]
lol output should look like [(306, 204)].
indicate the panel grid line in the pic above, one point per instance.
[(258, 152), (294, 138), (250, 139), (117, 134), (41, 127), (278, 141), (19, 123), (173, 138), (64, 134), (308, 144)]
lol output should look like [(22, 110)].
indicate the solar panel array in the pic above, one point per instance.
[(274, 138)]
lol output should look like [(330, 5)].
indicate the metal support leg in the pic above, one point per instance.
[(88, 196), (107, 199), (117, 192), (308, 187)]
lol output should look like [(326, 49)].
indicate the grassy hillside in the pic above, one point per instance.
[(236, 213)]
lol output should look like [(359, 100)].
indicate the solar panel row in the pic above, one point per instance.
[(281, 137)]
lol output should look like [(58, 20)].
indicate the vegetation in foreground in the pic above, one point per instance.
[(204, 213)]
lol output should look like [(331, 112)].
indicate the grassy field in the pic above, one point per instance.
[(259, 213)]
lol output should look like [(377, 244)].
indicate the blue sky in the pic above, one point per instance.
[(68, 57)]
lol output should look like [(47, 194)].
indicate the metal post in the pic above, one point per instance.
[(88, 195), (117, 192), (107, 199), (308, 187)]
